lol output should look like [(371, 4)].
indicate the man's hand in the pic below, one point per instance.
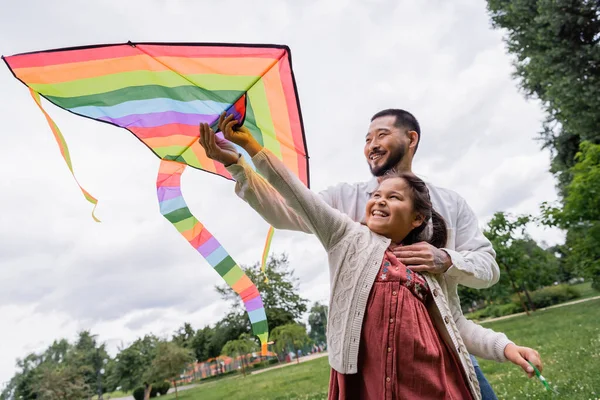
[(216, 148), (520, 355), (423, 256)]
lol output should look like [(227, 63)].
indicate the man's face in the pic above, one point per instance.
[(386, 145)]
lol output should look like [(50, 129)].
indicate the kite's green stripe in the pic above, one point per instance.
[(262, 113), (147, 92), (260, 326), (178, 215), (170, 151), (225, 266), (186, 224), (250, 123), (190, 158), (109, 83), (233, 275)]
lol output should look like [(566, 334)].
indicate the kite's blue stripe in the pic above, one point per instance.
[(206, 107)]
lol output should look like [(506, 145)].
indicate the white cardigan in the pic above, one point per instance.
[(355, 255)]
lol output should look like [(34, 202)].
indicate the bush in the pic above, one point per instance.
[(495, 310), (551, 295), (138, 394), (162, 388)]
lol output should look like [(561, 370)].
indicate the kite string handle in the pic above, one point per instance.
[(64, 150)]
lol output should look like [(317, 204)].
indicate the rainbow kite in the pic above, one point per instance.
[(160, 92)]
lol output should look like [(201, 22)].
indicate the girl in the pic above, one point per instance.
[(390, 331)]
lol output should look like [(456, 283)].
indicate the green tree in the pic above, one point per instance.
[(524, 264), (201, 344), (61, 382), (240, 348), (290, 336), (169, 362), (580, 214), (283, 304), (90, 358), (317, 319), (184, 336), (556, 48), (133, 364)]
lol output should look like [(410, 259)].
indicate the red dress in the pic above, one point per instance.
[(401, 354)]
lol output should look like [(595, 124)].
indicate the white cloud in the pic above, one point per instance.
[(132, 273)]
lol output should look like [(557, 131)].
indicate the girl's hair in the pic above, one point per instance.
[(433, 229)]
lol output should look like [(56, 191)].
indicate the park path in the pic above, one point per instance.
[(302, 359), (541, 309)]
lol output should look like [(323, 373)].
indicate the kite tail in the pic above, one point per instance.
[(64, 150), (174, 208), (263, 265)]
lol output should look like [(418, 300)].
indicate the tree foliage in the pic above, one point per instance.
[(289, 337), (317, 319), (556, 49), (283, 304), (580, 214)]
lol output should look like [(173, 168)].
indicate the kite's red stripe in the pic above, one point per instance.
[(125, 50), (294, 116), (165, 131), (211, 51), (201, 238), (64, 57), (168, 180)]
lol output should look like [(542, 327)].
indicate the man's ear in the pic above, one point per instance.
[(414, 140)]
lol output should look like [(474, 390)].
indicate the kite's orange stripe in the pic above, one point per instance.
[(173, 140), (279, 113), (186, 66), (194, 232), (243, 284), (205, 162), (165, 131)]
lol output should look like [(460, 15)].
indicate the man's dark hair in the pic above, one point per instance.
[(404, 120)]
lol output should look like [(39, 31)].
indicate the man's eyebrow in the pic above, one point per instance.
[(378, 130)]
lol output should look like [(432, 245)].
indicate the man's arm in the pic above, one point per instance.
[(474, 259)]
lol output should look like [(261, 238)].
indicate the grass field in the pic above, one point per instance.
[(568, 339)]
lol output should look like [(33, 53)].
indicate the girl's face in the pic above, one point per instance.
[(390, 210)]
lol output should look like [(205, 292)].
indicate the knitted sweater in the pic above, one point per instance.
[(355, 254)]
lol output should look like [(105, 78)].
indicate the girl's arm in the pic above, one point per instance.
[(328, 224)]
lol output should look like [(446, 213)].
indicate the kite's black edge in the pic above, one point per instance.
[(130, 43), (133, 44), (300, 116)]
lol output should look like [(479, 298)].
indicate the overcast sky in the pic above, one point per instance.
[(60, 272)]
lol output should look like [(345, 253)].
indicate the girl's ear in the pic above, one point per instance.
[(418, 220)]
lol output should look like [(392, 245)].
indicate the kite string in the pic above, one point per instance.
[(265, 255), (64, 150)]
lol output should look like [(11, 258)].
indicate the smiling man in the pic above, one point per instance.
[(391, 142)]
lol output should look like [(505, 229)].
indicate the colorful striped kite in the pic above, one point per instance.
[(160, 92)]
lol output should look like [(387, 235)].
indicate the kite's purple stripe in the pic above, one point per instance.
[(152, 120), (168, 193), (208, 247), (254, 304)]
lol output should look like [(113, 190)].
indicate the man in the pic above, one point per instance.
[(391, 143)]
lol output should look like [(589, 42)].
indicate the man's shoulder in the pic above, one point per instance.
[(349, 186), (444, 193)]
